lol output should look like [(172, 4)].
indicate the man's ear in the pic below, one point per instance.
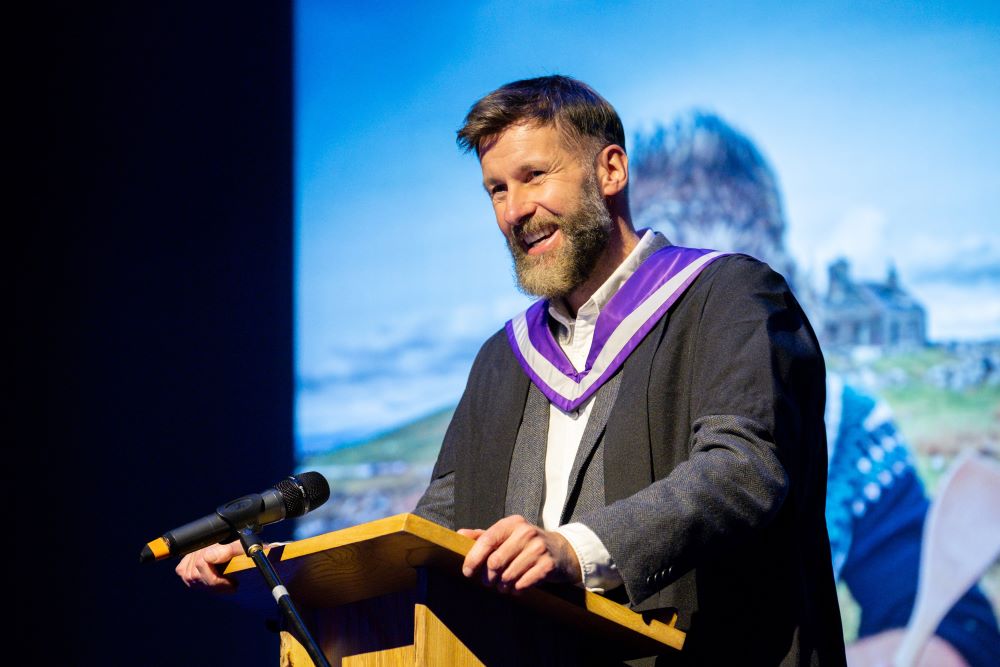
[(612, 170)]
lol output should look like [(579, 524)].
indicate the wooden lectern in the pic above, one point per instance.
[(391, 592)]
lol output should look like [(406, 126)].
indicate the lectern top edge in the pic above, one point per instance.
[(436, 538)]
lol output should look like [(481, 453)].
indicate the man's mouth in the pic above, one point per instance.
[(537, 240)]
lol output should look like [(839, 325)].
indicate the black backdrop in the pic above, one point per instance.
[(153, 318)]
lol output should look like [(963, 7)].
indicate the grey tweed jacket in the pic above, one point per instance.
[(702, 469)]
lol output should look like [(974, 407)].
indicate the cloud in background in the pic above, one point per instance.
[(403, 370)]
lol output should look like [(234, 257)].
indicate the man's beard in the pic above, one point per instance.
[(585, 232)]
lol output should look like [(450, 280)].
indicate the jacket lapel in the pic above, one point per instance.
[(493, 427), (604, 401), (628, 466), (526, 482)]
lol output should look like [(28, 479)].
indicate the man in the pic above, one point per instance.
[(652, 428)]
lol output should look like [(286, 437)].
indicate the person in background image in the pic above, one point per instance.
[(704, 184)]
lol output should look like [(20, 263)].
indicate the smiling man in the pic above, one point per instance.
[(652, 427), (552, 210)]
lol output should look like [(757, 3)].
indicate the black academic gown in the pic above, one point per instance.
[(714, 470)]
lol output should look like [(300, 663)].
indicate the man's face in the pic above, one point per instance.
[(549, 207)]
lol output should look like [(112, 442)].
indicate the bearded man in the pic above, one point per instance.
[(652, 427)]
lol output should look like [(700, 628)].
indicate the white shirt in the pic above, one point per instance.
[(575, 336)]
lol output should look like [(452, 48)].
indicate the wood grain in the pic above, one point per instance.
[(374, 571)]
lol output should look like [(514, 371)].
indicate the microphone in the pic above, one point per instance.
[(290, 498)]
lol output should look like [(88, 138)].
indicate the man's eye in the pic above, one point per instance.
[(497, 190), (538, 173)]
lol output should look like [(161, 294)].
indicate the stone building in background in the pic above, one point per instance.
[(881, 315)]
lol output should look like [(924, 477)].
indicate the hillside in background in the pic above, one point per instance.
[(377, 477), (945, 398)]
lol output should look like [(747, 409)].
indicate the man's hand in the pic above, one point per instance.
[(513, 555), (201, 569)]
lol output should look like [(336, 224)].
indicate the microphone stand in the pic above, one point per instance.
[(254, 548)]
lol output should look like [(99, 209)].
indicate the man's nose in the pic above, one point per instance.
[(518, 207)]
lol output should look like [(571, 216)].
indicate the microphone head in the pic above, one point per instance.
[(303, 493)]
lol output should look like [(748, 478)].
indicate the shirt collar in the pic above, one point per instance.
[(649, 243)]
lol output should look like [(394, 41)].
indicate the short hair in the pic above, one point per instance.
[(576, 109)]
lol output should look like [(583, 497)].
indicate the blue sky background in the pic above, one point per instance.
[(880, 123)]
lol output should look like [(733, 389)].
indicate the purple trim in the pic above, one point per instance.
[(636, 339), (653, 273), (550, 393), (540, 335)]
